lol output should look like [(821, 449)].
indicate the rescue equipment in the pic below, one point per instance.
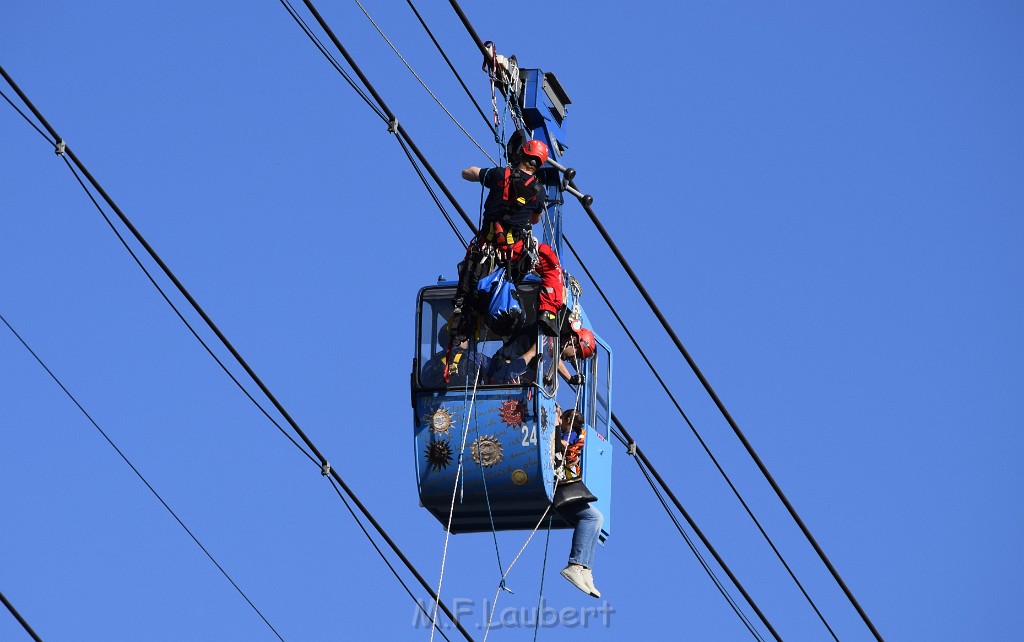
[(505, 314)]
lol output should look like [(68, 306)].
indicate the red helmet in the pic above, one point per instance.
[(587, 343), (536, 149)]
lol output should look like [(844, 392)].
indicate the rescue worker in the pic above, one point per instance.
[(579, 344), (514, 203)]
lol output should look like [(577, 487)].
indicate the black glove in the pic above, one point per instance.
[(577, 379)]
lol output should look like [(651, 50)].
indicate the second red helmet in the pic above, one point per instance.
[(588, 345), (536, 149)]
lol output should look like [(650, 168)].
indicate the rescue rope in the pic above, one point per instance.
[(558, 478), (543, 570), (447, 60), (487, 495), (494, 604), (451, 511)]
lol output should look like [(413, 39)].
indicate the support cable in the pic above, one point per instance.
[(21, 620), (430, 190), (423, 84), (325, 466), (377, 110), (725, 413), (700, 439), (344, 74), (141, 477), (451, 66), (391, 567), (331, 59), (27, 119), (689, 542), (707, 544), (394, 125), (469, 27), (181, 316)]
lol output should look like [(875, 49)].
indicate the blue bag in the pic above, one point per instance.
[(504, 313)]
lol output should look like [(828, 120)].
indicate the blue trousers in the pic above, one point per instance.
[(586, 521)]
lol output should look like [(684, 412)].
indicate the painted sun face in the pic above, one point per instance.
[(439, 454), (440, 421), (487, 451)]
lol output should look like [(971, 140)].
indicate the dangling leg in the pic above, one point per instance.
[(587, 522)]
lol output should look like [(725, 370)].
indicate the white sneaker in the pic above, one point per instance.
[(576, 575), (588, 575)]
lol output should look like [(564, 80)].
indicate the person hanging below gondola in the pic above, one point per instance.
[(585, 518), (514, 203)]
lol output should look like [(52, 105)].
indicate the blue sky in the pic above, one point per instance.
[(824, 200)]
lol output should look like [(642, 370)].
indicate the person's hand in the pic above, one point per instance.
[(577, 379)]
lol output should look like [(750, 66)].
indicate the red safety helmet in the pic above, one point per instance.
[(587, 343), (535, 149)]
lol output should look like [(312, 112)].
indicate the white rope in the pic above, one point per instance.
[(497, 592), (451, 512)]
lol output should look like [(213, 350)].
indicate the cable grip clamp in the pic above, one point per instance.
[(325, 469), (60, 147)]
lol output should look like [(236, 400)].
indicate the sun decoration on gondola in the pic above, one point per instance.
[(440, 420), (512, 412), (487, 451), (439, 454)]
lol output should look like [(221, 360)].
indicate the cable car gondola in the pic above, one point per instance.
[(503, 433), (502, 430)]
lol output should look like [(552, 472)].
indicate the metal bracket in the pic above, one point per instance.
[(574, 287), (393, 125), (631, 448), (60, 147), (325, 469)]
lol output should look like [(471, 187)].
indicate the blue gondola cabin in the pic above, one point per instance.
[(501, 421)]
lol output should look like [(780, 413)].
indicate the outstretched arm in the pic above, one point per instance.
[(563, 370), (472, 174), (574, 379)]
